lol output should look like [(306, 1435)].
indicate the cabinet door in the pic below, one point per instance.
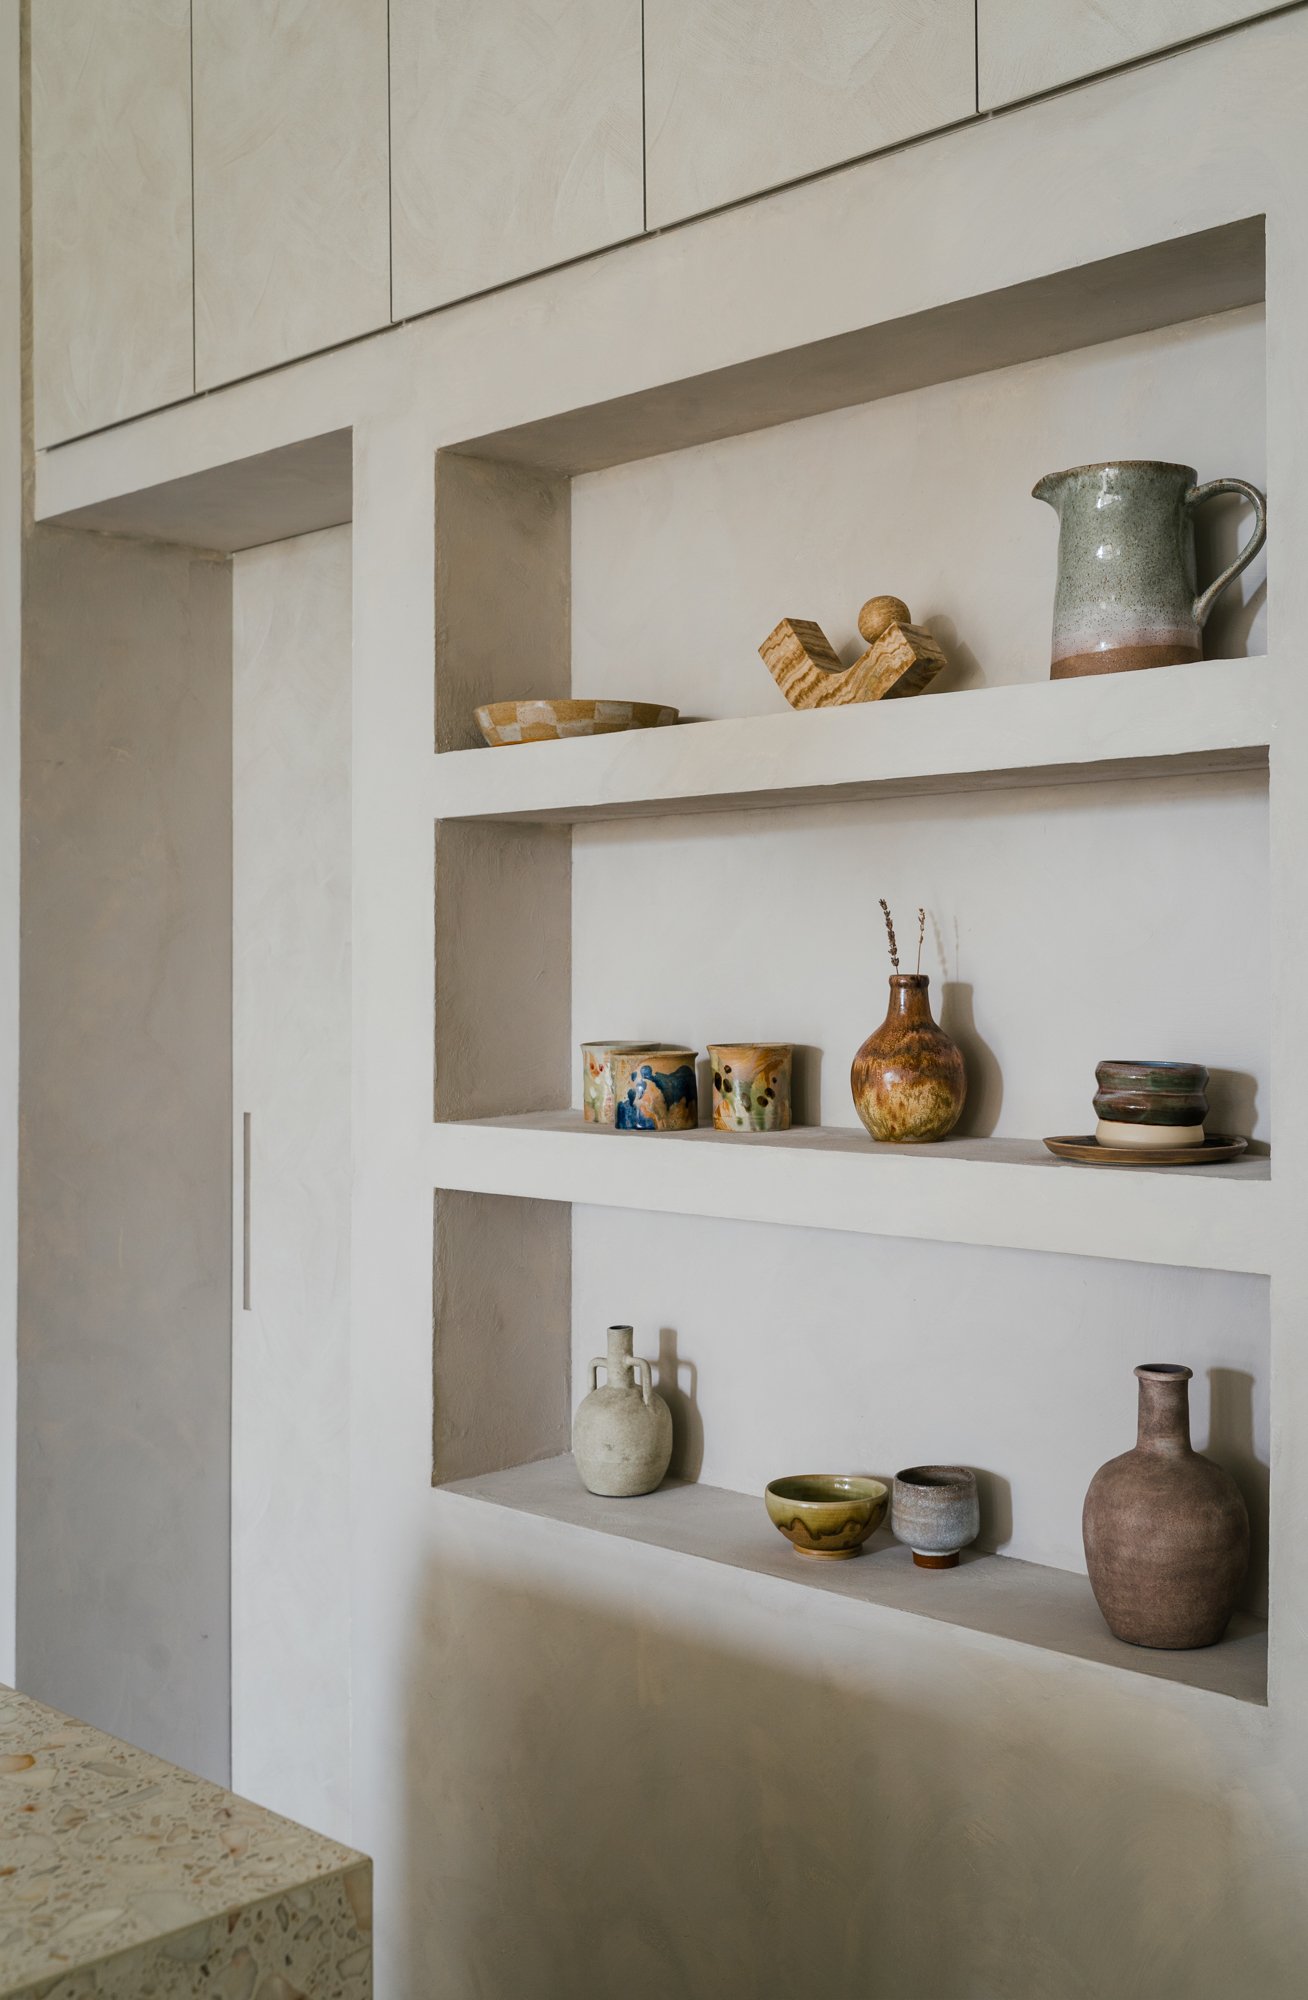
[(291, 196), (1023, 49), (291, 1074), (515, 136), (111, 211), (743, 95)]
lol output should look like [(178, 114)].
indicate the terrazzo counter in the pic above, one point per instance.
[(123, 1878)]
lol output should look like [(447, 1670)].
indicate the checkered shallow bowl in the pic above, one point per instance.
[(545, 721)]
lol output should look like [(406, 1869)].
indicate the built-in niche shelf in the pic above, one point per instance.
[(1000, 1193), (1167, 722), (1013, 1602)]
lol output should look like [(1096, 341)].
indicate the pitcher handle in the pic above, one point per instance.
[(641, 1370), (1195, 495)]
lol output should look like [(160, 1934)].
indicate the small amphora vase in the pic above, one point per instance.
[(622, 1433), (908, 1079), (1166, 1531), (1127, 595)]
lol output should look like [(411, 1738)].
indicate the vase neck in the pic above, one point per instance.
[(621, 1345), (909, 998), (1164, 1423)]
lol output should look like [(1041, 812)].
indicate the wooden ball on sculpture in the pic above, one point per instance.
[(879, 614)]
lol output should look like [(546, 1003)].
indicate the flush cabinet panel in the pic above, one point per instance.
[(291, 695), (743, 97), (111, 211), (516, 135), (291, 233), (1022, 49)]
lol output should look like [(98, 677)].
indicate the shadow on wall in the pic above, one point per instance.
[(1233, 1105), (985, 1079), (611, 1804), (1222, 526), (687, 1424), (1231, 1444)]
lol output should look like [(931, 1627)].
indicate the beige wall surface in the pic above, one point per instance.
[(124, 1330), (111, 201)]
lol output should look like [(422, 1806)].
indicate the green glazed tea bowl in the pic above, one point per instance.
[(827, 1514)]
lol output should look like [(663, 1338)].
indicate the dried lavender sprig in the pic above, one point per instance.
[(890, 932), (921, 933)]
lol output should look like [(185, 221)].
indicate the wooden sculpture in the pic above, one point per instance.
[(901, 658)]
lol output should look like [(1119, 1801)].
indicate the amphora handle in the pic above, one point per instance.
[(1194, 497)]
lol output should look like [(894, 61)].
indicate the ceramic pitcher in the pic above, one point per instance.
[(1127, 595)]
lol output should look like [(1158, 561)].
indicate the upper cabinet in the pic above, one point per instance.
[(291, 180), (515, 139), (111, 211), (1023, 48), (746, 94)]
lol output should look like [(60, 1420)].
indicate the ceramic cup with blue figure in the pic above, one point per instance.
[(656, 1091)]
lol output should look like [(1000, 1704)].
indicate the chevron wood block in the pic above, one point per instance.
[(901, 660)]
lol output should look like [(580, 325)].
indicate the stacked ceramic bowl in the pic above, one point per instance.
[(1151, 1104)]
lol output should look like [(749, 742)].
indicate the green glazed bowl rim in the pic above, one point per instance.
[(836, 1487)]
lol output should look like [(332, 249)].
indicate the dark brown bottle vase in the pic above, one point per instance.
[(1166, 1531)]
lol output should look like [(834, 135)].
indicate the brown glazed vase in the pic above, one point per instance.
[(1166, 1531), (908, 1079)]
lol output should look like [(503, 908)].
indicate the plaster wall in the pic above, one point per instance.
[(124, 1315), (734, 1798)]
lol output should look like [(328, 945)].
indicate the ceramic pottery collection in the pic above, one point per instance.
[(1166, 1531), (655, 1091), (827, 1514), (908, 1079), (622, 1433), (751, 1086), (598, 1085), (935, 1512), (1127, 595), (1151, 1103)]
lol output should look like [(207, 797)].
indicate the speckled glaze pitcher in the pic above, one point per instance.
[(1127, 595)]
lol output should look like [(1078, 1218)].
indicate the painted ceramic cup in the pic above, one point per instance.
[(751, 1086), (1127, 595), (934, 1509), (598, 1087), (655, 1091), (827, 1514), (908, 1080), (1151, 1103)]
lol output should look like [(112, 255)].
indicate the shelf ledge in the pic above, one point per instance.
[(1169, 721), (998, 1193), (1021, 1603)]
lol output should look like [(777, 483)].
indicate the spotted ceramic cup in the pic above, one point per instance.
[(598, 1085), (655, 1091), (751, 1086)]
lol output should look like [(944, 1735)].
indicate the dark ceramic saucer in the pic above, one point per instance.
[(1086, 1149)]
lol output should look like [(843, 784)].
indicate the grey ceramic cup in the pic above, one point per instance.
[(934, 1509)]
